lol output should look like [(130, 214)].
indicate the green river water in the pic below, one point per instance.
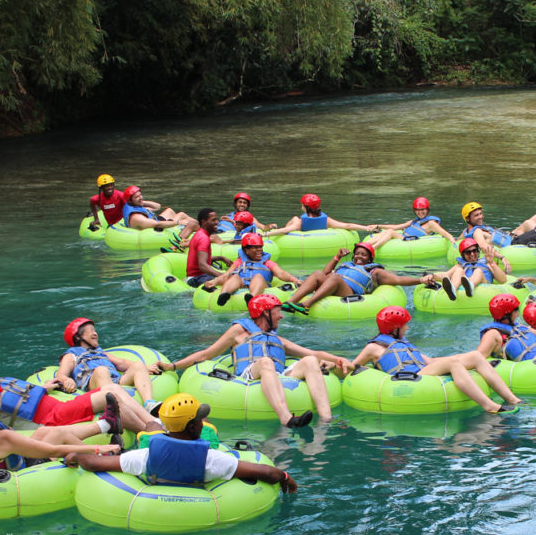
[(368, 157)]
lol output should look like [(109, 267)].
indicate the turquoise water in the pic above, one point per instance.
[(368, 158)]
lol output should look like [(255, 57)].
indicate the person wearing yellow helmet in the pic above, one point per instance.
[(164, 459), (422, 225), (109, 200), (259, 353)]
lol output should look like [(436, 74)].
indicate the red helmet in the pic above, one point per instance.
[(260, 303), (391, 318), (311, 200), (242, 195), (420, 203), (72, 329), (529, 314), (368, 247), (127, 194), (502, 305), (252, 239), (244, 217), (465, 244)]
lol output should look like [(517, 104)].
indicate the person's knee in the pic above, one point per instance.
[(101, 373), (265, 365), (310, 362)]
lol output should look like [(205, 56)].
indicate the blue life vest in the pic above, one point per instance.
[(503, 328), (470, 267), (13, 461), (225, 226), (258, 344), (415, 229), (86, 360), (358, 277), (177, 461), (20, 398), (251, 229), (521, 344), (128, 210), (501, 239), (399, 355), (248, 269), (314, 223)]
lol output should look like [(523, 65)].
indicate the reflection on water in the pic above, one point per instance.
[(368, 157)]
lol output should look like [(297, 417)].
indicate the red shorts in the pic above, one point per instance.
[(51, 411)]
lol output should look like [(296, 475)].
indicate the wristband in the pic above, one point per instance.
[(97, 450), (339, 362), (174, 367), (285, 477), (336, 258)]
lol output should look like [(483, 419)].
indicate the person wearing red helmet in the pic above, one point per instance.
[(85, 365), (140, 214), (109, 200), (471, 270), (423, 225), (505, 337), (392, 353), (253, 269), (358, 277), (242, 202), (315, 219), (259, 353)]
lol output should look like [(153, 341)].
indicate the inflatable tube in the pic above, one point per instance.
[(522, 258), (164, 385), (416, 250), (165, 272), (358, 306), (519, 376), (37, 490), (230, 397), (315, 243), (208, 300), (124, 501), (118, 236), (373, 390), (437, 301), (87, 230), (230, 250)]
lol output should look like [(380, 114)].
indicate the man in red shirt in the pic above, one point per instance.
[(199, 265), (109, 200)]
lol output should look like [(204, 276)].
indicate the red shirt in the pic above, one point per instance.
[(200, 242), (112, 207)]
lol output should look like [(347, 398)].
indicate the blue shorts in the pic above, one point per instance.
[(195, 282)]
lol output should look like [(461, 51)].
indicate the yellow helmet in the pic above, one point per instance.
[(102, 180), (468, 208), (180, 409)]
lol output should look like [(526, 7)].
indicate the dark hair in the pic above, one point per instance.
[(315, 213), (203, 214), (77, 336)]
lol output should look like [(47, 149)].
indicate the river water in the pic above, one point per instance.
[(368, 157)]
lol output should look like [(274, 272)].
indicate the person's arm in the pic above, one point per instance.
[(204, 266), (266, 473), (223, 259), (263, 227), (293, 224), (333, 223), (381, 276), (524, 280), (224, 342), (140, 220), (94, 211), (283, 275), (370, 352), (400, 226), (297, 350), (94, 463), (64, 373), (434, 226), (498, 274), (12, 442), (220, 279), (152, 205), (490, 343), (330, 266)]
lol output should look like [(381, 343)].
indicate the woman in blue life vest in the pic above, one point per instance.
[(423, 225), (241, 202), (265, 313), (471, 270), (87, 366), (253, 269), (315, 219), (391, 352), (505, 337), (358, 277), (180, 456)]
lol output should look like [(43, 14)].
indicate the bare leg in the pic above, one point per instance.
[(257, 284), (333, 285), (67, 434), (272, 388), (527, 225), (99, 378), (309, 285), (190, 227), (308, 368), (138, 376), (384, 236), (233, 283)]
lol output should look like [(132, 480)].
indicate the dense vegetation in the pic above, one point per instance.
[(65, 59)]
